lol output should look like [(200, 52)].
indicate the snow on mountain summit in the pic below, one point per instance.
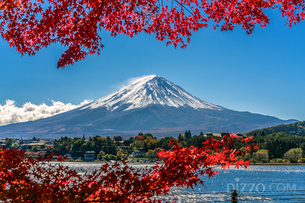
[(149, 104), (149, 90)]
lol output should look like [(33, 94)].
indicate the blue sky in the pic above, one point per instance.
[(261, 73)]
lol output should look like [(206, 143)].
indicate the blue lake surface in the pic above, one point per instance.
[(257, 183)]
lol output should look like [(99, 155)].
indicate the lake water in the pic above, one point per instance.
[(257, 183)]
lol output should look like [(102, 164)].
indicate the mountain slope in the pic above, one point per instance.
[(149, 104), (150, 90), (297, 128)]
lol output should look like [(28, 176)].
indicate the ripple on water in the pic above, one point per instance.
[(257, 183)]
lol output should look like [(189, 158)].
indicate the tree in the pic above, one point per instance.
[(110, 147), (31, 180), (150, 143), (63, 144), (181, 137), (50, 150), (278, 143), (35, 148), (150, 154), (30, 25), (8, 142), (100, 155), (117, 138), (156, 151), (109, 157), (87, 146), (294, 154), (164, 142), (261, 155), (127, 142), (15, 145), (188, 135), (76, 147), (120, 155)]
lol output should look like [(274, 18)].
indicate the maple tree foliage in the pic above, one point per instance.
[(29, 25), (37, 180)]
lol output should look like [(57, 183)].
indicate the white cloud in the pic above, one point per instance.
[(10, 113)]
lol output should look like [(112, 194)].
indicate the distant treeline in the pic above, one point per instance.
[(273, 144), (77, 146), (278, 140)]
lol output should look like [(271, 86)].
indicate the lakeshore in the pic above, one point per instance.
[(292, 164)]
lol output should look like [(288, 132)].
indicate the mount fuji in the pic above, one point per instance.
[(149, 104)]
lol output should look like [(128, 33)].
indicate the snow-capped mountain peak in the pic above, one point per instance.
[(149, 90), (149, 104)]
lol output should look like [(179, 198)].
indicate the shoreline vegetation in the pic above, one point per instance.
[(147, 162), (277, 163), (277, 148)]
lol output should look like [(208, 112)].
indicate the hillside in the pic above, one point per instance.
[(297, 128)]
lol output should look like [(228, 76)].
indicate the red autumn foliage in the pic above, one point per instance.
[(37, 180), (29, 25)]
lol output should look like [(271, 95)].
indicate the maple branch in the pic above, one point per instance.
[(22, 178), (101, 8), (168, 183), (133, 192), (3, 4), (184, 7)]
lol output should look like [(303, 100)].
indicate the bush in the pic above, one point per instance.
[(35, 148), (273, 161), (261, 155), (109, 157), (100, 155), (294, 154), (281, 160), (264, 161), (15, 145), (247, 157), (301, 160)]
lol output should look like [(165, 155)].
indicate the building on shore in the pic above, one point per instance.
[(89, 156)]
